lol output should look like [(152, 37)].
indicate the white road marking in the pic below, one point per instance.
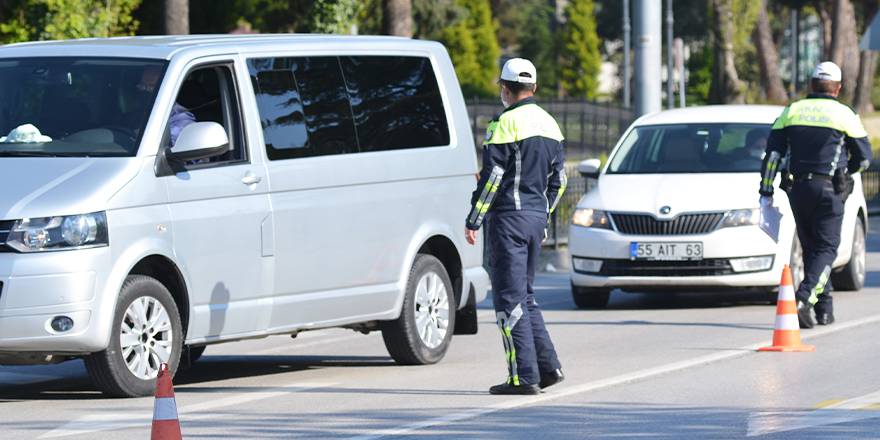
[(517, 402), (761, 423), (195, 411)]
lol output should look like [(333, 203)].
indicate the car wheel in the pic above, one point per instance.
[(852, 276), (146, 333), (796, 262), (422, 333), (589, 297)]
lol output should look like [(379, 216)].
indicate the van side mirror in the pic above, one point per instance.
[(590, 168), (200, 140)]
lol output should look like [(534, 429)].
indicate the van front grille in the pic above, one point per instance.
[(684, 224), (5, 227)]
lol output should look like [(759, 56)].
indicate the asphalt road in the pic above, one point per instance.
[(650, 366)]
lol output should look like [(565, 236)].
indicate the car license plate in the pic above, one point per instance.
[(681, 251)]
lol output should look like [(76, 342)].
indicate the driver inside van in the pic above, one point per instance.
[(180, 117)]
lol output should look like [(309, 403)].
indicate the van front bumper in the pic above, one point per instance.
[(37, 288)]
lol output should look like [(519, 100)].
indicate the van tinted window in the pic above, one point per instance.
[(303, 106), (396, 102), (312, 106)]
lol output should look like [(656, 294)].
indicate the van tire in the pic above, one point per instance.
[(401, 336), (852, 276), (589, 297), (107, 368)]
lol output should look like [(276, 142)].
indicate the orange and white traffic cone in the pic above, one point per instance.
[(166, 426), (787, 333)]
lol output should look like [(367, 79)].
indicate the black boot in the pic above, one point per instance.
[(506, 388), (825, 318), (551, 378), (805, 318)]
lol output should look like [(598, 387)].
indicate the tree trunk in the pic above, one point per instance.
[(863, 103), (397, 18), (177, 17), (825, 18), (845, 46), (867, 67), (768, 58), (726, 87)]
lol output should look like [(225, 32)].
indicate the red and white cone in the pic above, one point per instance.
[(166, 426), (787, 332)]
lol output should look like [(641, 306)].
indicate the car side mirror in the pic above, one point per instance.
[(590, 168), (200, 140)]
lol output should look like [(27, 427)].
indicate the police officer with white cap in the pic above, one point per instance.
[(522, 180), (826, 144)]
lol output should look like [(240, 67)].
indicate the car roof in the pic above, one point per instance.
[(166, 46), (744, 114)]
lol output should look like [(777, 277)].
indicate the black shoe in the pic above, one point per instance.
[(506, 388), (825, 318), (805, 318), (552, 378)]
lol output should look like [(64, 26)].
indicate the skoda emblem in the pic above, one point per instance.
[(665, 210)]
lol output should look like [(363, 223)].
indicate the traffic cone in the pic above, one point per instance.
[(787, 333), (166, 426)]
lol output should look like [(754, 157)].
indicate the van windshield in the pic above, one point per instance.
[(692, 148), (77, 107)]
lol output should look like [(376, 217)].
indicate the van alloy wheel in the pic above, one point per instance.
[(145, 337), (432, 310)]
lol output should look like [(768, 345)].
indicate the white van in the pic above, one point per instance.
[(164, 193)]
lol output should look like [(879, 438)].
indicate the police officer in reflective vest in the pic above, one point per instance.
[(827, 144), (522, 180)]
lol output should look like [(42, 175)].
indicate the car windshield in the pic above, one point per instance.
[(79, 107), (691, 148)]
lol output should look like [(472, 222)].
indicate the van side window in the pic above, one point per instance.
[(396, 102), (304, 107), (316, 106), (209, 94)]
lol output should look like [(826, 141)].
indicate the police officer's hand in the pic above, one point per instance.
[(470, 235)]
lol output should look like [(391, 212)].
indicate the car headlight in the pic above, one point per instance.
[(741, 217), (59, 233), (591, 218)]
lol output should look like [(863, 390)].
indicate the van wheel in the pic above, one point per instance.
[(422, 333), (852, 276), (146, 333), (590, 298)]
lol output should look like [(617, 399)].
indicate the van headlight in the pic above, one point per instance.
[(591, 218), (741, 217), (59, 233)]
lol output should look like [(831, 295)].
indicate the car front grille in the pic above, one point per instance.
[(684, 224), (5, 227), (637, 268)]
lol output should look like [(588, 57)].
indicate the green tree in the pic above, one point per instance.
[(538, 44), (473, 47), (65, 19), (580, 58)]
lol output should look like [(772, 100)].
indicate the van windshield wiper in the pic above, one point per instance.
[(17, 153)]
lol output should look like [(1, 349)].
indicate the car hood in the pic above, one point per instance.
[(697, 192), (44, 187)]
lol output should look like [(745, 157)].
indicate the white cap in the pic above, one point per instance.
[(519, 70), (828, 71)]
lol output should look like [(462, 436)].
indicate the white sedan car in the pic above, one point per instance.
[(676, 209)]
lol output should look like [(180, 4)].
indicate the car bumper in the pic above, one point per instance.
[(36, 288), (725, 252)]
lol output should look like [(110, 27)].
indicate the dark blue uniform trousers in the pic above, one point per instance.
[(514, 241), (818, 213)]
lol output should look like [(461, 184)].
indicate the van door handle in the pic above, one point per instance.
[(251, 179)]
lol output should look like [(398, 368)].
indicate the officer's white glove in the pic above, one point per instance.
[(766, 200)]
